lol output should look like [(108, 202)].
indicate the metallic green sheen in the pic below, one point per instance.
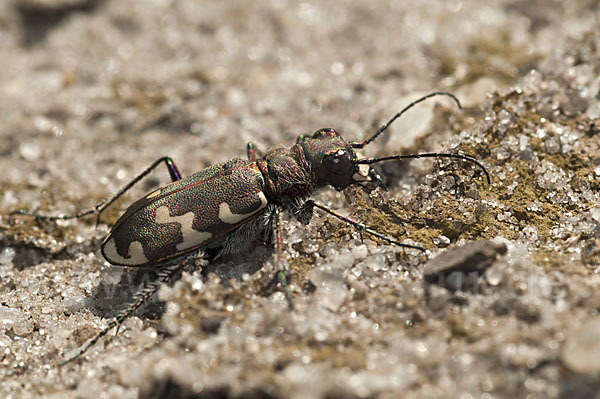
[(236, 182)]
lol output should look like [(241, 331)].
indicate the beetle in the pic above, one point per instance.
[(219, 209)]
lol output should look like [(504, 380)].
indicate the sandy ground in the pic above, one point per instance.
[(505, 301)]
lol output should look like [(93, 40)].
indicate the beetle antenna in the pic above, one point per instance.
[(467, 158), (382, 129)]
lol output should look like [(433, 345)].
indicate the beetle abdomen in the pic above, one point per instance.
[(187, 215)]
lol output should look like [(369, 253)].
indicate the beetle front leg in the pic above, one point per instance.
[(362, 227), (173, 172)]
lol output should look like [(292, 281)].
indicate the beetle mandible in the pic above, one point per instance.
[(219, 209)]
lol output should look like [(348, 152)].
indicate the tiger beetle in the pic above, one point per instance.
[(218, 210)]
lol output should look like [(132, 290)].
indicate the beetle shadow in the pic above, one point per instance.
[(392, 172), (574, 385), (38, 20), (109, 299), (234, 266)]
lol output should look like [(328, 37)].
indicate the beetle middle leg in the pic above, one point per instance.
[(98, 209), (281, 270), (281, 274), (252, 152)]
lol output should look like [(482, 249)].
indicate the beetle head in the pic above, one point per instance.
[(333, 161)]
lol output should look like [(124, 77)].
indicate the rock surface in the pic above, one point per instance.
[(581, 352), (460, 267)]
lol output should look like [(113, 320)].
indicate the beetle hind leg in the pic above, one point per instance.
[(165, 275), (98, 209)]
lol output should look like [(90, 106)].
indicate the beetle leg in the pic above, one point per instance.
[(164, 275), (304, 213), (252, 152), (363, 228), (98, 209), (281, 271)]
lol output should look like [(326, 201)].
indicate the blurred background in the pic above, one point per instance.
[(116, 84)]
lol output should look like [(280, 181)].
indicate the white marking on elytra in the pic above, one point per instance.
[(135, 252), (363, 170), (191, 237), (153, 194), (226, 216)]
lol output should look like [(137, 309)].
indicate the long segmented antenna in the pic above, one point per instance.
[(467, 158), (399, 114)]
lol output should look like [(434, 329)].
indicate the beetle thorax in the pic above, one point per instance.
[(287, 174)]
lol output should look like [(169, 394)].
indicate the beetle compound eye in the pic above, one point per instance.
[(338, 163)]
